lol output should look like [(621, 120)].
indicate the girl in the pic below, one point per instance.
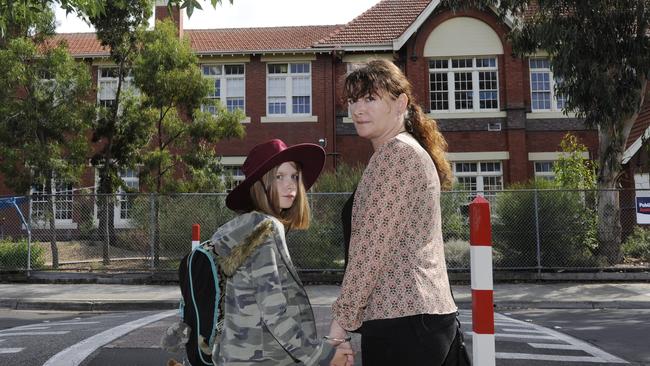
[(268, 318)]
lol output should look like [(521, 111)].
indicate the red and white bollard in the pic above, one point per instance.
[(480, 239), (196, 235)]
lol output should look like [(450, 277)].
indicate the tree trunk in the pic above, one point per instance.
[(609, 211), (156, 231)]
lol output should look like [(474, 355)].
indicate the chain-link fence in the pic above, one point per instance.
[(532, 230)]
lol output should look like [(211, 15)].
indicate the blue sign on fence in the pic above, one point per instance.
[(643, 210)]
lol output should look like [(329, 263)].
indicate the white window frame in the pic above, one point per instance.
[(131, 179), (103, 82), (480, 174), (57, 194), (289, 77), (350, 66), (541, 173), (450, 71), (554, 99), (223, 79)]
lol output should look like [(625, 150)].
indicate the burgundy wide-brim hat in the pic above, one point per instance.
[(264, 157)]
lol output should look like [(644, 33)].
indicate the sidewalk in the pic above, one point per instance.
[(104, 297)]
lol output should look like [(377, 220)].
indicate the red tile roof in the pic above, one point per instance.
[(82, 44), (641, 124), (380, 24), (257, 39)]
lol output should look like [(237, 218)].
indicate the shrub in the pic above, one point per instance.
[(637, 244), (321, 246), (13, 255), (344, 179), (177, 213), (566, 228)]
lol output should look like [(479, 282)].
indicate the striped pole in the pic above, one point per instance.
[(196, 235), (480, 239)]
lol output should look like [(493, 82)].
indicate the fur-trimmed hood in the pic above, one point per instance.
[(236, 240)]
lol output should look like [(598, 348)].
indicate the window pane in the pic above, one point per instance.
[(277, 105), (278, 68), (301, 85), (461, 63), (439, 91), (234, 69), (467, 183), (217, 89), (492, 183), (488, 89), (465, 167), (234, 103), (211, 70), (463, 90), (277, 86), (438, 64), (491, 167), (235, 87), (300, 68), (301, 105), (486, 62), (543, 167)]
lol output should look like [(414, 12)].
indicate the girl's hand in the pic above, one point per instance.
[(344, 355)]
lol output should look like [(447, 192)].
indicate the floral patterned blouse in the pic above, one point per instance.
[(396, 262)]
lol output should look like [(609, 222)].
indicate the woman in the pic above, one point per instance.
[(395, 290), (268, 318)]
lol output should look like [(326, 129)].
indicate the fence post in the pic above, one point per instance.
[(539, 247), (152, 228), (196, 235), (480, 239)]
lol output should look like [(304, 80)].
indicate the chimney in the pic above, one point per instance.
[(161, 12)]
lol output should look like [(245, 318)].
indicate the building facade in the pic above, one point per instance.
[(499, 112)]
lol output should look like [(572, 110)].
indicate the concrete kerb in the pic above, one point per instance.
[(90, 306)]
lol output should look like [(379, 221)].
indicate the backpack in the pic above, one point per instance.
[(202, 284), (202, 276)]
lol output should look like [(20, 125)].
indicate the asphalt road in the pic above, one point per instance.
[(523, 337)]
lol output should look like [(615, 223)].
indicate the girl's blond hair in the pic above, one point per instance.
[(268, 201)]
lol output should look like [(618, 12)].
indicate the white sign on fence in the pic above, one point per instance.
[(643, 207)]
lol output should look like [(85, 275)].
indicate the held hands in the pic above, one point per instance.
[(344, 355)]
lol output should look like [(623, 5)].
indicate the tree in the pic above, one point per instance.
[(600, 49), (121, 128), (44, 120), (168, 75), (572, 170)]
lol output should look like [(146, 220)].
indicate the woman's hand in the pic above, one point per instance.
[(337, 331), (344, 355)]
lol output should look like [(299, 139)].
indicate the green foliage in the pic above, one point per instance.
[(344, 179), (167, 73), (565, 223), (320, 246), (13, 255), (177, 214), (42, 127), (637, 244), (572, 170), (455, 223)]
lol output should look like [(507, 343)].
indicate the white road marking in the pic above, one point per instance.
[(75, 354), (530, 330), (554, 346), (10, 350), (597, 354), (519, 336), (18, 334), (531, 356)]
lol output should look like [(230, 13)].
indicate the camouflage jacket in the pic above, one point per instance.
[(268, 318)]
